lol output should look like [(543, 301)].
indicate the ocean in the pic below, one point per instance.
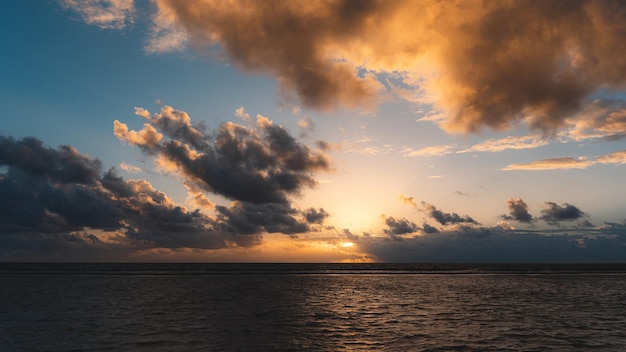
[(312, 307)]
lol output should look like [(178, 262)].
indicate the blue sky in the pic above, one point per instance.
[(292, 131)]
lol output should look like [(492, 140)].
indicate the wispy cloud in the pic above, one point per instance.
[(551, 164), (510, 142), (106, 14), (437, 150), (617, 157), (367, 146), (130, 168)]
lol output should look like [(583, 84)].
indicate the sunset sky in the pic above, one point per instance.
[(357, 131)]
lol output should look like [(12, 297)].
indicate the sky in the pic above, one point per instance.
[(313, 131)]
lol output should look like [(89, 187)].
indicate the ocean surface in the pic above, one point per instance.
[(312, 307)]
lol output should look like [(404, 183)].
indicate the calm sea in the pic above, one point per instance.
[(312, 307)]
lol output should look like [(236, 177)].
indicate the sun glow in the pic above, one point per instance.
[(347, 244)]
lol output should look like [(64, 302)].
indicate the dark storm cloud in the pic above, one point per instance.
[(481, 245), (446, 218), (494, 63), (429, 228), (63, 165), (554, 213), (257, 165), (518, 210), (56, 198), (315, 216), (59, 192), (399, 226), (250, 218)]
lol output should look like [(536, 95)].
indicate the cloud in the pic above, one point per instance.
[(599, 119), (58, 194), (147, 138), (249, 218), (282, 38), (315, 216), (408, 200), (106, 14), (518, 210), (446, 218), (56, 201), (307, 125), (364, 146), (554, 213), (552, 164), (130, 168), (196, 197), (399, 226), (484, 64), (438, 150), (510, 142), (497, 245), (429, 229), (258, 165), (618, 157), (166, 35)]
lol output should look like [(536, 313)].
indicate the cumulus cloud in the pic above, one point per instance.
[(258, 167), (58, 193), (554, 213), (518, 210), (486, 244), (315, 216), (446, 218), (106, 14), (484, 64), (478, 64), (399, 226), (262, 164), (57, 199)]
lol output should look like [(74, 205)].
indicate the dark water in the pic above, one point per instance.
[(312, 307)]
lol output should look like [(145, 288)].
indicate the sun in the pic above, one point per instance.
[(347, 244)]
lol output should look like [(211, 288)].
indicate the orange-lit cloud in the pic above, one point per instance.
[(618, 157), (600, 119), (148, 136), (113, 14), (481, 63), (130, 168), (498, 145), (552, 164), (437, 150)]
